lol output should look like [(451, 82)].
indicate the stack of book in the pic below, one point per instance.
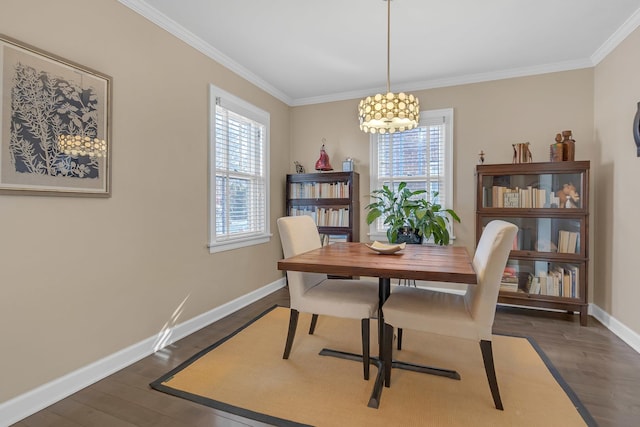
[(324, 217), (559, 281), (509, 282), (505, 197), (568, 241), (319, 190)]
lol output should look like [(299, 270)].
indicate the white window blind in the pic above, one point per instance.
[(421, 157), (239, 189)]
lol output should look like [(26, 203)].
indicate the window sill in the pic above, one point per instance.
[(236, 244)]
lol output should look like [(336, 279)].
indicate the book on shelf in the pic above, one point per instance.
[(509, 280), (559, 281), (506, 197), (509, 287), (324, 217), (319, 190), (511, 199), (542, 280), (573, 242), (534, 286), (516, 282), (568, 241)]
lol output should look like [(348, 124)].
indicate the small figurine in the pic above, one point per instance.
[(323, 162), (568, 196), (481, 157), (299, 167)]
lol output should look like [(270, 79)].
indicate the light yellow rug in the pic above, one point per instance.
[(246, 375)]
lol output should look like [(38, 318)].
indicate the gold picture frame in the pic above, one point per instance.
[(55, 128)]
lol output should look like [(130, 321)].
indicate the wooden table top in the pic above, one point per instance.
[(419, 262)]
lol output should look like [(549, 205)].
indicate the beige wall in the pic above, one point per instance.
[(71, 294), (487, 116), (136, 256), (617, 92)]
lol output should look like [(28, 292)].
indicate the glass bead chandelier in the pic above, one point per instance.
[(81, 145), (76, 145), (393, 112)]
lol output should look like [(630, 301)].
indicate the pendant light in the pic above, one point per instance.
[(393, 112)]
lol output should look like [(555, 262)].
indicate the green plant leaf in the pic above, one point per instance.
[(373, 215), (406, 208)]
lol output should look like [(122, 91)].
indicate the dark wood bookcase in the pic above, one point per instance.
[(549, 202), (331, 198)]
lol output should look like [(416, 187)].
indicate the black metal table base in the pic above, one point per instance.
[(374, 400), (425, 369)]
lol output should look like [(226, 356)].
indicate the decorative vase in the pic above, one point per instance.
[(569, 146), (556, 152)]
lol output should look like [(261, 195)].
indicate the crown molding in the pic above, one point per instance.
[(164, 22), (616, 38), (451, 81), (169, 25)]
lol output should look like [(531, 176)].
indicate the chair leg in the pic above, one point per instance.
[(399, 338), (487, 356), (365, 347), (312, 327), (388, 353), (293, 323)]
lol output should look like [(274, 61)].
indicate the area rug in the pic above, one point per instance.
[(245, 374)]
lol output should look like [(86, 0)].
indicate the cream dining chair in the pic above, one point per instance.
[(316, 294), (468, 316)]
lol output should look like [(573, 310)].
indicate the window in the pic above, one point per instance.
[(422, 157), (239, 178)]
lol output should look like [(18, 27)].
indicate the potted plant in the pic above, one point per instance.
[(410, 218)]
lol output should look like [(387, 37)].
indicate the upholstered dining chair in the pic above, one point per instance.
[(468, 316), (316, 294)]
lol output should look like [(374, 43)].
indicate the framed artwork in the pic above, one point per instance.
[(55, 130)]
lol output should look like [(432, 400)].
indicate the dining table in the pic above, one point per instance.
[(430, 263)]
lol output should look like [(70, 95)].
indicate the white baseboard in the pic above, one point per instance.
[(39, 398), (614, 325)]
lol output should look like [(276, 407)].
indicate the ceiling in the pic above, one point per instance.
[(305, 52)]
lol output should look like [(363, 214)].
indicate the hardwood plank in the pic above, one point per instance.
[(601, 369)]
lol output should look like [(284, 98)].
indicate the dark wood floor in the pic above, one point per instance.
[(602, 370)]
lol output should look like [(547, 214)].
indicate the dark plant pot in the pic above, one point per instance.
[(409, 236)]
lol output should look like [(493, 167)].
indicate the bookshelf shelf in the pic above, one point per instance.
[(549, 202), (330, 198)]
